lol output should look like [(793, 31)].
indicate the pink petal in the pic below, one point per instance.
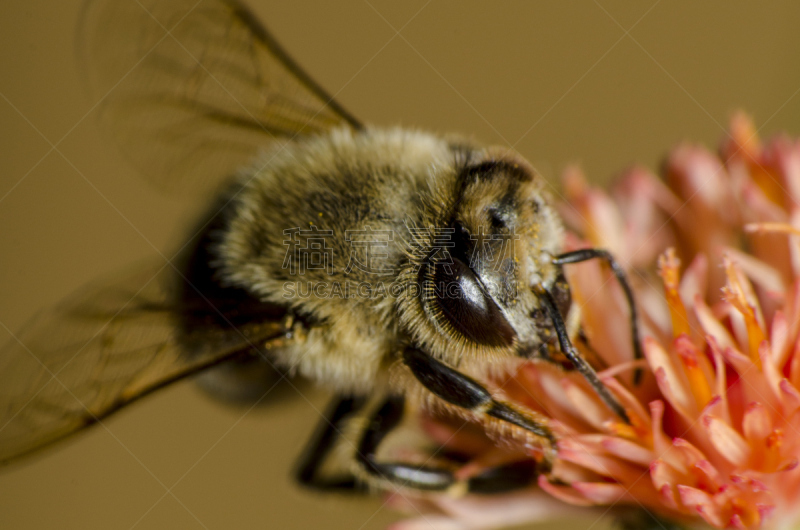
[(661, 443), (736, 522), (758, 207), (628, 450), (509, 509), (575, 188), (484, 511), (779, 339), (794, 243), (607, 226), (790, 398), (602, 492), (756, 424), (767, 277), (739, 325), (710, 473), (690, 454), (727, 441), (794, 366), (636, 194), (742, 143), (744, 312), (550, 382), (566, 473), (626, 398), (765, 510), (770, 371), (703, 504), (716, 407), (669, 497), (694, 280), (711, 325), (663, 474), (572, 451), (697, 174), (655, 313), (740, 362), (680, 400), (721, 410), (588, 406), (663, 196), (670, 379), (563, 493), (753, 384), (788, 159)]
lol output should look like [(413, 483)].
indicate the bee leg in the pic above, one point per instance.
[(383, 421), (465, 393), (508, 477), (578, 256), (580, 364), (322, 442), (432, 478)]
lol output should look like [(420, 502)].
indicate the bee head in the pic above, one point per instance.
[(503, 232)]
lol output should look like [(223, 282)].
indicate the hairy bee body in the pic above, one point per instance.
[(383, 263), (356, 312)]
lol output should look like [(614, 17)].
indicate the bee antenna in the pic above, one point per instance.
[(586, 254), (580, 364)]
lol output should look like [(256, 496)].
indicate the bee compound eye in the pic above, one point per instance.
[(460, 303)]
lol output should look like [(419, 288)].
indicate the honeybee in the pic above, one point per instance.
[(398, 267)]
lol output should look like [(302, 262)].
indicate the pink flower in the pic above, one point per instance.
[(713, 252)]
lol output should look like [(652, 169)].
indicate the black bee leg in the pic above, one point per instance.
[(320, 445), (386, 418), (509, 477), (578, 256), (468, 395), (438, 476), (575, 358)]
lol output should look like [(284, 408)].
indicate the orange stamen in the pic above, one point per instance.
[(698, 383), (744, 140), (734, 295), (748, 514), (772, 227), (624, 431), (669, 270), (773, 444), (768, 182), (746, 145)]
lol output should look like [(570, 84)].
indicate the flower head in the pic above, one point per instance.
[(713, 253)]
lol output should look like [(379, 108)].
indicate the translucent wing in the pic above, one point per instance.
[(191, 89), (109, 346)]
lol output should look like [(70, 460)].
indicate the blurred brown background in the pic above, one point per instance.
[(605, 83)]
